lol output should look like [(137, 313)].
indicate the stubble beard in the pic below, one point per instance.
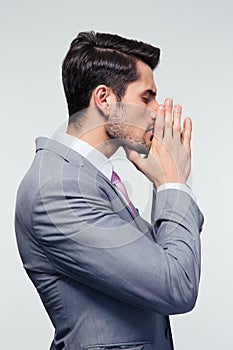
[(123, 132)]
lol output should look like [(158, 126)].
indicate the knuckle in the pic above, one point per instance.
[(177, 128)]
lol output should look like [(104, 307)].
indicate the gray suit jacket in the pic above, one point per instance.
[(106, 280)]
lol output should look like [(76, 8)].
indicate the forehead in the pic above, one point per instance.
[(145, 81)]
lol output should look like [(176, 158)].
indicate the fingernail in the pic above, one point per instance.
[(177, 109), (169, 101), (161, 107)]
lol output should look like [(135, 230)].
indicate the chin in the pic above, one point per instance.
[(122, 137), (138, 147)]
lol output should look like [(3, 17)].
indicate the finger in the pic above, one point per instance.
[(177, 118), (159, 123), (135, 158), (168, 110), (186, 133), (168, 117)]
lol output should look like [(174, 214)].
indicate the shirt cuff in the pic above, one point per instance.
[(177, 186)]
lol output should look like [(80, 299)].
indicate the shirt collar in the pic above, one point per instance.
[(98, 159)]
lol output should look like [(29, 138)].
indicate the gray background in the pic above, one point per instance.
[(196, 70)]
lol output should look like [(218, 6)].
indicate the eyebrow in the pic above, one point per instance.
[(150, 92)]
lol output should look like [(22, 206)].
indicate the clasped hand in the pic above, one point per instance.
[(169, 157)]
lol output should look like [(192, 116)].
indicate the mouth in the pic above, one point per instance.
[(151, 132)]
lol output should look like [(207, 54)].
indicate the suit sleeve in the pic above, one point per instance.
[(86, 240)]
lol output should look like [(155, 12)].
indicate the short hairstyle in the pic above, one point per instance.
[(102, 58)]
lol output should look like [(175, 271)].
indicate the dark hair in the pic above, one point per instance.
[(101, 58)]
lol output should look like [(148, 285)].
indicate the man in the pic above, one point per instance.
[(107, 278)]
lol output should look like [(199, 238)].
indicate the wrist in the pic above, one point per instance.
[(157, 184)]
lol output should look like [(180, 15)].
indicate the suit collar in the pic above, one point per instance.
[(97, 158), (73, 157), (68, 154)]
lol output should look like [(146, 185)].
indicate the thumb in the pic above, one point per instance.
[(135, 158)]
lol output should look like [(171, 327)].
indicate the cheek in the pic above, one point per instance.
[(129, 118), (138, 124), (136, 115), (135, 132)]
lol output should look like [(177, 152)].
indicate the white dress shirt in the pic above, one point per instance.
[(95, 157), (104, 164)]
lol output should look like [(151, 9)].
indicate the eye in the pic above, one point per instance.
[(145, 100)]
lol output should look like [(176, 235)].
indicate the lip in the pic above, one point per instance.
[(151, 130)]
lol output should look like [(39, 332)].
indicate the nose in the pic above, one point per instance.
[(154, 107)]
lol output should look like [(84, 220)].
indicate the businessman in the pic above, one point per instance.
[(107, 278)]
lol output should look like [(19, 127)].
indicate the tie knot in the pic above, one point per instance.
[(115, 178)]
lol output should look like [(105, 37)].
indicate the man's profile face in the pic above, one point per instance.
[(131, 120)]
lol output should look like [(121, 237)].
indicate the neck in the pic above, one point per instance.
[(95, 136)]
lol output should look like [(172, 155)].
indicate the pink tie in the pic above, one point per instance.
[(116, 181)]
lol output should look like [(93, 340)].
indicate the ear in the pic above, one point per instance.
[(102, 96)]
